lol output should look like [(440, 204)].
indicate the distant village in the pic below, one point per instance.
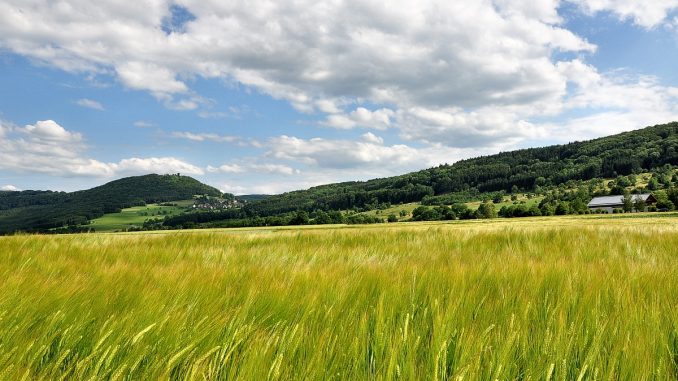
[(216, 203)]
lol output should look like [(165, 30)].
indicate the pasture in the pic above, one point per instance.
[(136, 216), (558, 298)]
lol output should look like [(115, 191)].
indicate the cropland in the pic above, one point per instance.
[(557, 298)]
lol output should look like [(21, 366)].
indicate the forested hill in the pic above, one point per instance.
[(525, 169), (40, 210)]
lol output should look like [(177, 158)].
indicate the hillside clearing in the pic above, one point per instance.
[(136, 216)]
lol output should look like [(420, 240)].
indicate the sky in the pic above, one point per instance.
[(271, 96)]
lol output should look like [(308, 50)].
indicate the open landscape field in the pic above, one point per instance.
[(135, 216), (568, 298)]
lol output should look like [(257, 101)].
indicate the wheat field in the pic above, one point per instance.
[(532, 299)]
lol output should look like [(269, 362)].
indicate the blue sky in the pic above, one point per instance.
[(266, 97)]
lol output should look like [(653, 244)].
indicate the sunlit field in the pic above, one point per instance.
[(534, 299)]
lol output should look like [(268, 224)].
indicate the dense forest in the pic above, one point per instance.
[(544, 171), (522, 170), (41, 210)]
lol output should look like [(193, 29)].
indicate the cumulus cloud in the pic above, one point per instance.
[(226, 168), (89, 103), (458, 77), (319, 56), (343, 154), (647, 14), (48, 148), (266, 168), (361, 117), (9, 188)]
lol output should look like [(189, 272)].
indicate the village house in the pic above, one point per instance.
[(609, 203)]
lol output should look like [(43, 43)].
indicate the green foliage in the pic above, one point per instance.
[(535, 168), (627, 203), (486, 210), (544, 170), (39, 211), (639, 204)]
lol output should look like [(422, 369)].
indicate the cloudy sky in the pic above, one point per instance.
[(269, 96)]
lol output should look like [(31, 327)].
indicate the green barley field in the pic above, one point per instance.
[(588, 298)]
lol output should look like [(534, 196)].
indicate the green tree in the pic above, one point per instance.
[(653, 184), (301, 218), (627, 203), (639, 204), (392, 218), (486, 210), (562, 209)]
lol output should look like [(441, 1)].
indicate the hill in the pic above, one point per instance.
[(43, 210), (533, 170), (525, 170)]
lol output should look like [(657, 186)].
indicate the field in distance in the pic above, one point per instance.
[(137, 215), (555, 298)]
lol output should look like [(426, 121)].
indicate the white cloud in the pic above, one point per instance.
[(201, 137), (155, 165), (319, 56), (369, 154), (46, 131), (361, 117), (235, 189), (647, 14), (10, 188), (274, 169), (372, 138), (454, 74), (89, 103), (227, 168), (48, 148), (266, 168)]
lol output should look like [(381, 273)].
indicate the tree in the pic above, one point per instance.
[(301, 218), (663, 201), (627, 203), (653, 184), (486, 210), (423, 213), (322, 218), (562, 209), (639, 204), (392, 218), (446, 213)]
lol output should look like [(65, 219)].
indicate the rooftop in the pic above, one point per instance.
[(616, 200)]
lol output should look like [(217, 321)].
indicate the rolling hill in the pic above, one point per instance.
[(42, 210), (635, 151), (642, 150)]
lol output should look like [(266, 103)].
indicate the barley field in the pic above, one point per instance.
[(569, 298)]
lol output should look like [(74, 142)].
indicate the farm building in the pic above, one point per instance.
[(609, 203)]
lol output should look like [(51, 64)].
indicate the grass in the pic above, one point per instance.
[(136, 216), (571, 298), (394, 209), (508, 202)]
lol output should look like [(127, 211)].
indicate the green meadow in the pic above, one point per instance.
[(136, 216), (571, 298)]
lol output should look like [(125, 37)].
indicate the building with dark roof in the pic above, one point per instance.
[(609, 203)]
